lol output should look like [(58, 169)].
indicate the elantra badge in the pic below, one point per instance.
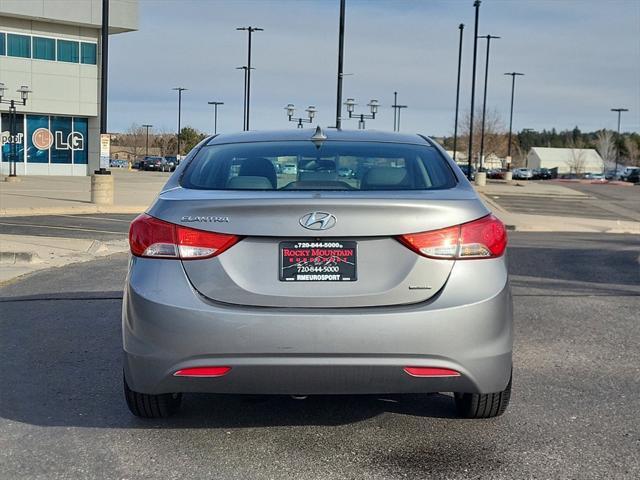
[(318, 221)]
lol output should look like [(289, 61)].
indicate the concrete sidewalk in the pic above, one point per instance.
[(20, 255), (49, 195)]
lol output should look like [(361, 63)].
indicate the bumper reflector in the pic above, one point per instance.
[(431, 372), (202, 372)]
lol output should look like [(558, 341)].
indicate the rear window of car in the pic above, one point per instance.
[(332, 165)]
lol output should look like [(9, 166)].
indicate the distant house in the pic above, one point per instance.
[(566, 160)]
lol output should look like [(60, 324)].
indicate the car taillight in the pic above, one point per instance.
[(151, 237), (482, 238)]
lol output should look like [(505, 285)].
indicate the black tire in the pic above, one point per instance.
[(483, 405), (151, 406)]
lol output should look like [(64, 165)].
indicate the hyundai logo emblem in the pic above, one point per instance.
[(318, 221)]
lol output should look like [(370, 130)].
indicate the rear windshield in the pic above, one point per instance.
[(301, 165)]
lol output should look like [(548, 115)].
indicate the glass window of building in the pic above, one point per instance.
[(18, 45), (5, 126), (60, 128), (44, 48), (3, 43), (89, 51), (38, 151), (68, 51), (81, 125)]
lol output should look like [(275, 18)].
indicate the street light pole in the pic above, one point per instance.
[(250, 31), (513, 88), (476, 4), (619, 110), (455, 127), (147, 126), (13, 127), (180, 90), (484, 101), (340, 65), (396, 112), (215, 115)]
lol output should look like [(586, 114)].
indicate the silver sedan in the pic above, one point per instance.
[(260, 269)]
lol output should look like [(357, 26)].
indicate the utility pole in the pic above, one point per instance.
[(476, 4), (513, 88), (484, 101), (146, 154), (455, 127), (619, 110), (340, 65), (250, 31)]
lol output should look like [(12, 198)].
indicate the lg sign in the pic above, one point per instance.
[(43, 139)]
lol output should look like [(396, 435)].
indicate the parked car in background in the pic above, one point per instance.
[(628, 171), (522, 174), (465, 170), (495, 173), (117, 163), (157, 164), (599, 177), (242, 281), (542, 174), (634, 176)]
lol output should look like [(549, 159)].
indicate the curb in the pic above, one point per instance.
[(18, 258), (79, 210)]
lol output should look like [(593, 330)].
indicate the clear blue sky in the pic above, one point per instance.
[(580, 57)]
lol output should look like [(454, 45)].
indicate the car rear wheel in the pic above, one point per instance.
[(151, 406), (483, 405)]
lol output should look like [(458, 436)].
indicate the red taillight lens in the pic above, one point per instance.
[(431, 372), (150, 237), (483, 238), (203, 372)]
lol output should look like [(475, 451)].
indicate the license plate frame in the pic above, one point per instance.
[(318, 261)]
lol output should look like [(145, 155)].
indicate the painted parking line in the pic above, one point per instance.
[(104, 219)]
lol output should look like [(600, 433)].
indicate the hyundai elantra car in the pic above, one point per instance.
[(391, 280)]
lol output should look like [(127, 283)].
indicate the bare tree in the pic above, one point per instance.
[(606, 148), (577, 157), (165, 142), (134, 141), (495, 140), (633, 151)]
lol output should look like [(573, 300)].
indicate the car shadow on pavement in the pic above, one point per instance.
[(62, 367)]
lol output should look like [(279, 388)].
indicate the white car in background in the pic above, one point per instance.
[(523, 174)]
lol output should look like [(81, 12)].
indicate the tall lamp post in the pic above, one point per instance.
[(215, 115), (311, 112), (13, 126), (396, 112), (146, 148), (340, 66), (476, 4), (513, 88), (619, 110), (373, 106), (250, 31), (179, 90), (455, 126), (484, 101)]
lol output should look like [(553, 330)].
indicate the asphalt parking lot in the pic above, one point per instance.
[(602, 201), (574, 412)]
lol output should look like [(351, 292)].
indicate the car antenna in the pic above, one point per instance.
[(318, 137)]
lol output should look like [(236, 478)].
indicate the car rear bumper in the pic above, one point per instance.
[(317, 351)]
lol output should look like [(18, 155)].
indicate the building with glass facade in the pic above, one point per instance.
[(53, 47)]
